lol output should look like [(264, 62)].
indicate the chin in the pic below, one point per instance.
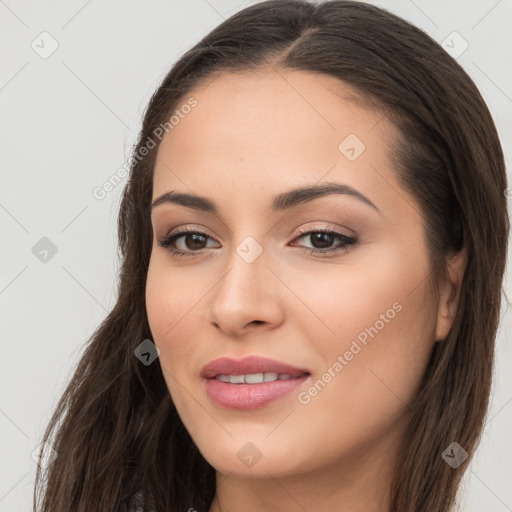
[(259, 458)]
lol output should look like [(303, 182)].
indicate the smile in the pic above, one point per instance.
[(253, 378), (251, 382)]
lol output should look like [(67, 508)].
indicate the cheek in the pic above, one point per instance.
[(170, 295), (374, 385), (346, 299), (381, 327), (160, 294), (174, 303), (166, 305)]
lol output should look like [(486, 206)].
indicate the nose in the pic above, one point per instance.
[(246, 297)]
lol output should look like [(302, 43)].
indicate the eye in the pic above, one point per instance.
[(323, 238), (194, 241)]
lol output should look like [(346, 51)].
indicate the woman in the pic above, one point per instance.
[(313, 240)]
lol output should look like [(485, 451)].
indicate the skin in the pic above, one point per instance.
[(249, 138)]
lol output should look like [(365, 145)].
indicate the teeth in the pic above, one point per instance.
[(253, 378)]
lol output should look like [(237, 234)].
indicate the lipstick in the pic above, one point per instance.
[(251, 382)]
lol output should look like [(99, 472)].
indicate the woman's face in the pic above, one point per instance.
[(356, 323)]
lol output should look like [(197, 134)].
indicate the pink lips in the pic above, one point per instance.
[(249, 396)]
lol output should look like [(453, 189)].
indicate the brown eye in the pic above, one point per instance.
[(322, 240), (193, 241)]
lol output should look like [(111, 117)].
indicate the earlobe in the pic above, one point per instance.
[(450, 294)]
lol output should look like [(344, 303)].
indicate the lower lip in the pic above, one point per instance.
[(250, 396)]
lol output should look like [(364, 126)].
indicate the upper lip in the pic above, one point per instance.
[(247, 365)]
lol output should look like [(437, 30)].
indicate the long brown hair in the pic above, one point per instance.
[(116, 430)]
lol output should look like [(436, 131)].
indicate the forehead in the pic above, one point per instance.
[(253, 109), (252, 132)]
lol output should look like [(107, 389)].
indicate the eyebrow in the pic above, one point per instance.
[(281, 202)]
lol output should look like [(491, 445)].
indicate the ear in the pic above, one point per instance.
[(450, 293)]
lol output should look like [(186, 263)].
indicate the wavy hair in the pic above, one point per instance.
[(119, 439)]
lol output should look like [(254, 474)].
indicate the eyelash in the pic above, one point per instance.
[(346, 244)]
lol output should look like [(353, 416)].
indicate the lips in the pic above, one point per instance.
[(249, 365), (250, 383)]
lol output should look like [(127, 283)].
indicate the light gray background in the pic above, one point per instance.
[(68, 122)]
